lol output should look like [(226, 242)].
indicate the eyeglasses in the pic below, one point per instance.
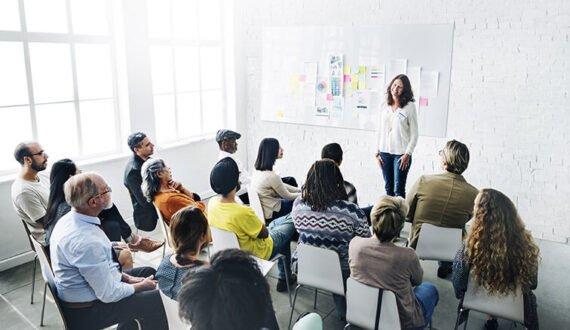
[(107, 190), (39, 153)]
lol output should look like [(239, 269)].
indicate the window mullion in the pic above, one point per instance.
[(114, 73), (28, 70), (74, 79)]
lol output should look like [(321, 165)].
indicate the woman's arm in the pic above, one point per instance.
[(280, 189), (413, 124)]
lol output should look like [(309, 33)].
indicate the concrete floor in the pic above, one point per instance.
[(553, 295)]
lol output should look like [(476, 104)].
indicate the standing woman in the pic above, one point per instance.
[(397, 135)]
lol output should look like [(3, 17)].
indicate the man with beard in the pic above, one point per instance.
[(30, 190)]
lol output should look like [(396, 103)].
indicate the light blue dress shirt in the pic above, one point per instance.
[(82, 261)]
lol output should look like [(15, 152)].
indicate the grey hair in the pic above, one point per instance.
[(80, 188), (150, 181)]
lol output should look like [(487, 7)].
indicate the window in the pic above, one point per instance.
[(57, 84), (187, 67)]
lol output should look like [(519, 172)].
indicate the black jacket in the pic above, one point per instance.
[(144, 212)]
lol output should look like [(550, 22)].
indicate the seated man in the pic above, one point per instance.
[(93, 291), (228, 146), (230, 293), (445, 199), (224, 213)]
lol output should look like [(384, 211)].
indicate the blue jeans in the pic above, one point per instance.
[(394, 178), (427, 295), (286, 207), (281, 230)]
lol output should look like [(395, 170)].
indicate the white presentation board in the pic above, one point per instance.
[(337, 76)]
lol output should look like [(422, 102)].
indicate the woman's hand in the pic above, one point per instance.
[(379, 158), (404, 162)]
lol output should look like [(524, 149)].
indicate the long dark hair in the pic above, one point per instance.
[(60, 172), (267, 154), (186, 227), (407, 94), (324, 185)]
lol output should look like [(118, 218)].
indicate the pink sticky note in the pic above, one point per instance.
[(423, 101), (302, 77), (329, 97), (346, 78)]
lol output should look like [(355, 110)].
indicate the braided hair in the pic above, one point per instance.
[(324, 185)]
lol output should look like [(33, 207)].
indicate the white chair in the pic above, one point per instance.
[(438, 243), (172, 316), (318, 268), (165, 231), (362, 307), (255, 203), (510, 307)]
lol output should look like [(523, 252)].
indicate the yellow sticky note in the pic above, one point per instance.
[(346, 70), (362, 70), (354, 78), (280, 113), (362, 85), (355, 114), (348, 92), (354, 84)]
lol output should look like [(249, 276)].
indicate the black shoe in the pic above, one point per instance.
[(282, 285), (492, 324), (443, 271)]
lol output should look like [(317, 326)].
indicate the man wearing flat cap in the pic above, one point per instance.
[(253, 236), (227, 140)]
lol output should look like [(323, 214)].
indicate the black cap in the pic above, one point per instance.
[(225, 134), (224, 176)]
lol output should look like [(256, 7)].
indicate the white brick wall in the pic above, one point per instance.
[(509, 99)]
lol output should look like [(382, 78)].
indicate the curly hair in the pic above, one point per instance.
[(501, 252), (407, 94), (324, 185)]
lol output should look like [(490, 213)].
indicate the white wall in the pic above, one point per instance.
[(510, 86)]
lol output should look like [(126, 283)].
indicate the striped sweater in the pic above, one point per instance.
[(331, 229)]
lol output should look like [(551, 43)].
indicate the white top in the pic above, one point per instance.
[(397, 130), (270, 189), (243, 175), (30, 200)]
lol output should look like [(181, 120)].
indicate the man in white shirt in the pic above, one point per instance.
[(30, 190), (228, 146)]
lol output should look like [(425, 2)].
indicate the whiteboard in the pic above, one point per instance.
[(291, 94)]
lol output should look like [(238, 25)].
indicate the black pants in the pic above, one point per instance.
[(114, 225), (144, 306)]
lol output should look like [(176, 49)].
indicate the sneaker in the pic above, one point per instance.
[(145, 245), (443, 271), (282, 285), (492, 324)]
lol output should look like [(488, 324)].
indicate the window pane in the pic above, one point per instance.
[(13, 87), (164, 118), (184, 19), (187, 73), (158, 18), (189, 114), (14, 128), (97, 126), (51, 72), (161, 67), (209, 20), (212, 104), (9, 15), (57, 129), (46, 16), (211, 67), (93, 71), (89, 16)]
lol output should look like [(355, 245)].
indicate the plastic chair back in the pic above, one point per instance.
[(255, 203), (164, 228), (171, 310), (319, 268), (223, 239), (361, 306), (510, 307), (438, 243)]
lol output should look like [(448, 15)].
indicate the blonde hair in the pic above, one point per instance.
[(456, 156), (500, 250), (388, 217)]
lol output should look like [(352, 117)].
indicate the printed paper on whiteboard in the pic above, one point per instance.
[(414, 74), (429, 83), (396, 67)]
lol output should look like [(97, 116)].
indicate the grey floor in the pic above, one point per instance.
[(553, 295)]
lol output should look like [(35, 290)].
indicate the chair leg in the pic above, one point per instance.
[(457, 320), (466, 319), (430, 324), (293, 306), (43, 306), (33, 279), (315, 303)]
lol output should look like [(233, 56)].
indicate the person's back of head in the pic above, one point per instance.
[(332, 151), (22, 150), (224, 177), (150, 181), (188, 228), (499, 248), (388, 216), (267, 154), (455, 157), (230, 293), (61, 171), (323, 186), (79, 189)]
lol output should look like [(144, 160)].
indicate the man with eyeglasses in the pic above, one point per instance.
[(30, 190)]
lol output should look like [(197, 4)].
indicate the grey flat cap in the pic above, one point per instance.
[(225, 134)]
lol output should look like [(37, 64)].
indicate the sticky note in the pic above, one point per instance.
[(329, 97), (348, 91), (362, 70), (293, 77), (346, 70), (346, 78), (423, 101), (361, 77), (355, 69), (354, 78), (355, 114), (280, 113), (362, 85), (302, 77), (354, 84)]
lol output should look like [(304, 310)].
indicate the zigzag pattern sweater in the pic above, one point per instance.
[(331, 229)]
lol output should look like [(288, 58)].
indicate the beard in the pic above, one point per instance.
[(38, 167)]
